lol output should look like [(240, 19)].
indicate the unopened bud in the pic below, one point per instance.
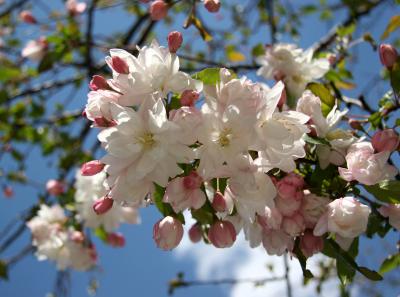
[(92, 167), (212, 6), (222, 234), (103, 205), (116, 239), (27, 17), (388, 55), (355, 124), (195, 233), (175, 40), (219, 203), (385, 140), (168, 233), (55, 187), (192, 181), (158, 10)]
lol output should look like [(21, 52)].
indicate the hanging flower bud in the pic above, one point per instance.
[(115, 239), (222, 234), (119, 65), (27, 17), (189, 97), (219, 203), (310, 244), (388, 55), (212, 6), (355, 124), (102, 122), (158, 10), (98, 83), (55, 187), (103, 205), (8, 191), (92, 167), (175, 40), (385, 140), (195, 233), (168, 233)]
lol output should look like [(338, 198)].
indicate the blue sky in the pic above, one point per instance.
[(140, 268)]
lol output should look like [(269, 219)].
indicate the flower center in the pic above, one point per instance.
[(225, 136), (146, 140)]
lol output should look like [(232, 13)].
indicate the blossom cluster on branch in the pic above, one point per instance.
[(278, 163)]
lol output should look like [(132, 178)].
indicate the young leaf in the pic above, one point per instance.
[(327, 99), (393, 24), (390, 263), (386, 191)]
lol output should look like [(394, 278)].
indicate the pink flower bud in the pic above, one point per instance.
[(92, 167), (103, 205), (222, 234), (294, 179), (385, 140), (286, 191), (310, 244), (55, 187), (102, 122), (212, 6), (27, 17), (195, 233), (77, 237), (8, 191), (158, 10), (119, 65), (388, 55), (287, 207), (192, 181), (168, 233), (74, 7), (355, 124), (98, 83), (189, 97), (219, 203), (175, 40), (116, 239)]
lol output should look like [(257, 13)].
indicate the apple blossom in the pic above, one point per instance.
[(189, 97), (91, 168), (277, 242), (55, 187), (27, 17), (35, 49), (115, 239), (346, 217), (195, 233), (98, 83), (310, 244), (158, 10), (212, 6), (365, 166), (175, 40), (391, 211), (313, 207)]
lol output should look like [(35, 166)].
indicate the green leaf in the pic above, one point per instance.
[(101, 233), (327, 99), (344, 256), (390, 263), (393, 24), (258, 50), (3, 270), (9, 73), (209, 76), (375, 119), (345, 272), (347, 30), (386, 191), (46, 63)]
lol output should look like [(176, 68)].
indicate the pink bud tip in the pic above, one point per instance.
[(388, 55), (84, 114), (222, 234), (116, 239), (175, 40), (8, 191), (98, 83), (119, 65), (77, 237), (355, 124), (55, 187), (195, 233), (212, 6), (27, 17), (168, 233), (192, 181), (219, 203), (158, 10), (103, 205), (91, 168), (385, 140), (189, 97), (102, 122)]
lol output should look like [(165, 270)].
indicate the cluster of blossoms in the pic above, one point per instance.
[(231, 158)]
